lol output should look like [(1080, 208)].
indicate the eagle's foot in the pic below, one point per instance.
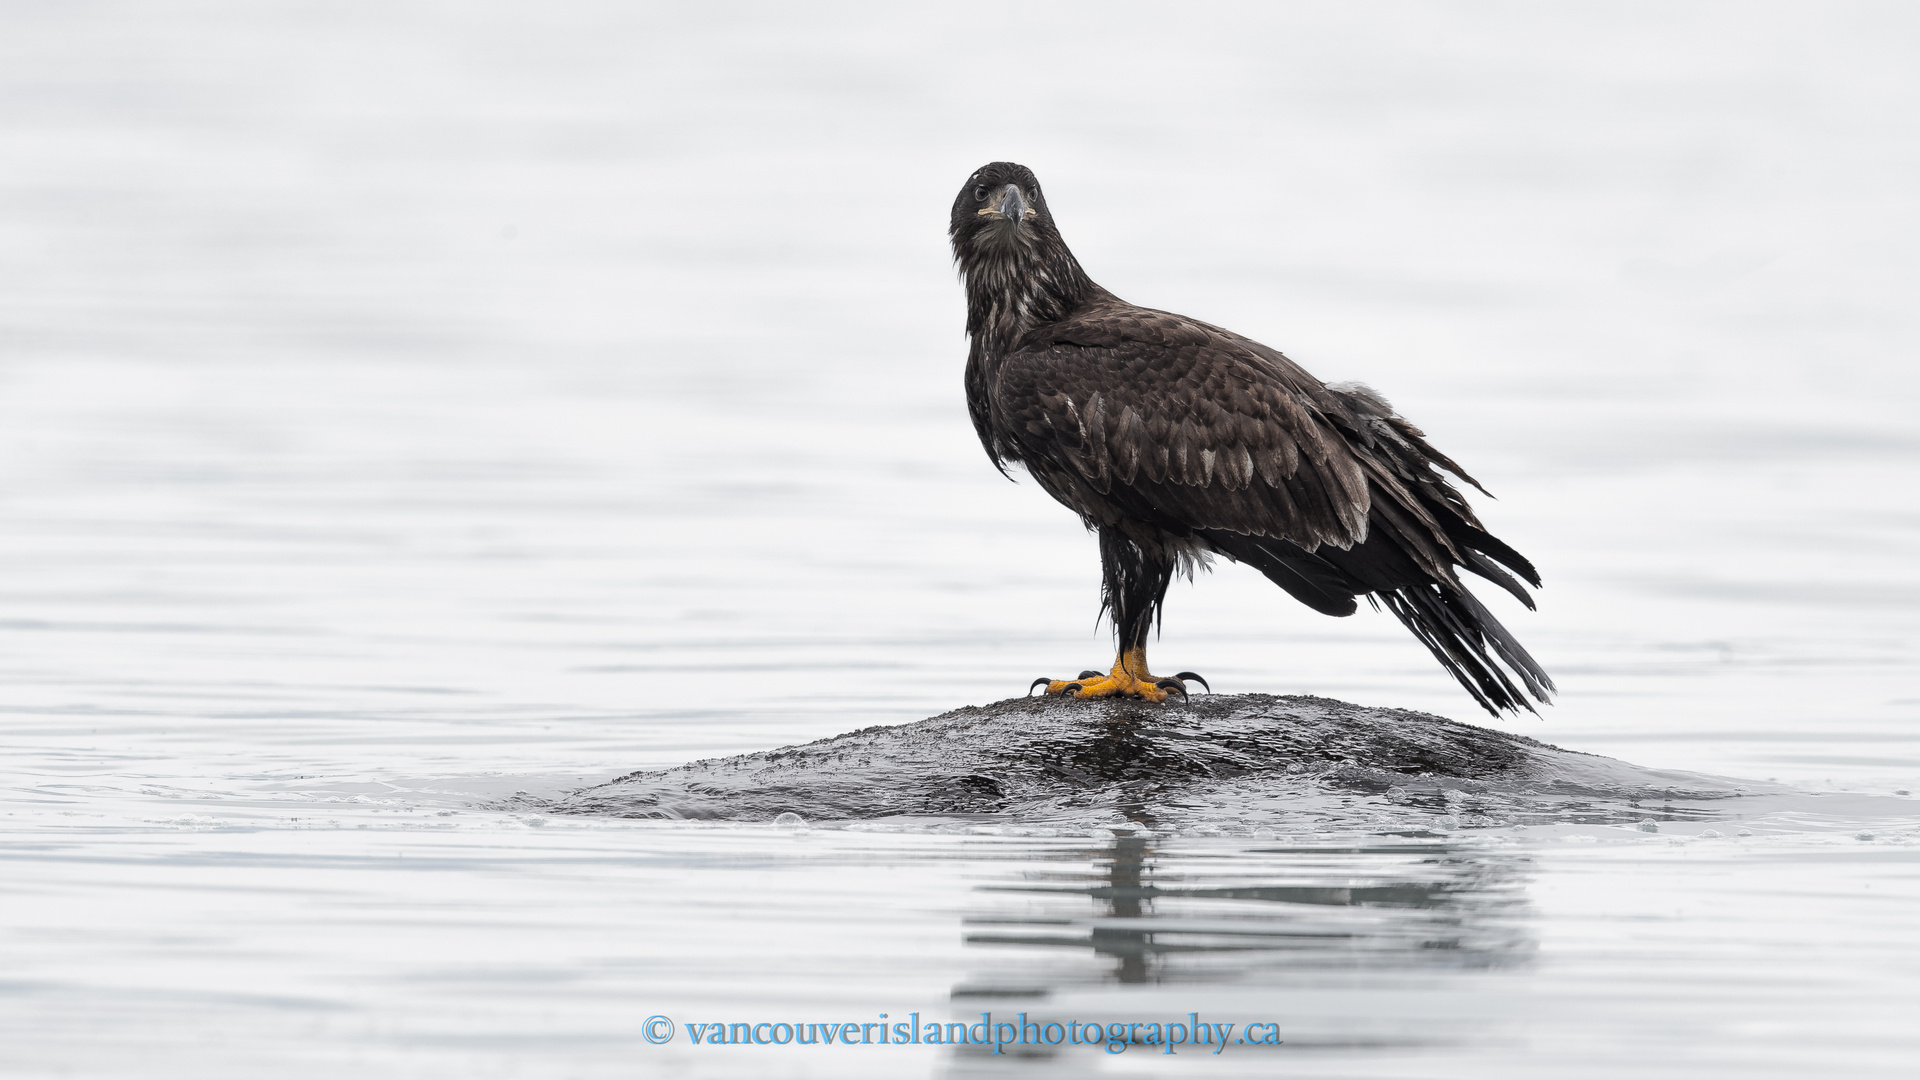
[(1129, 678)]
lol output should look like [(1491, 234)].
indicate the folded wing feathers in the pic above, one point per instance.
[(1277, 453)]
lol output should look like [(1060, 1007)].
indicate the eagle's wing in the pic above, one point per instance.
[(1205, 431), (1191, 418), (1160, 419), (1211, 429)]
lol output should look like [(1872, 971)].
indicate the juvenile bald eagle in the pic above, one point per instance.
[(1173, 439)]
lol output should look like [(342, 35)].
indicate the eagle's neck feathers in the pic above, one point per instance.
[(1012, 289)]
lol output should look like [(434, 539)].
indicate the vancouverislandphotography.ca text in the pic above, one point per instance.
[(1114, 1036)]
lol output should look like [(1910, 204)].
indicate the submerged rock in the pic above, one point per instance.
[(1243, 761)]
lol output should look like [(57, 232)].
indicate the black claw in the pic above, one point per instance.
[(1195, 678), (1072, 688), (1041, 681), (1175, 684), (1088, 675)]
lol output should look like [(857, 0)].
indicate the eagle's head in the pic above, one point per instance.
[(1017, 270), (999, 209)]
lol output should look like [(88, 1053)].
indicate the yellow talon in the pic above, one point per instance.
[(1129, 678)]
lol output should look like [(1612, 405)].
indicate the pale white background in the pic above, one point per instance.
[(415, 403)]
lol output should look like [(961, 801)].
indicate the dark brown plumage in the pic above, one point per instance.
[(1174, 439)]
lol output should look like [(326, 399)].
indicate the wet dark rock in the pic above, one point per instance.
[(1239, 760)]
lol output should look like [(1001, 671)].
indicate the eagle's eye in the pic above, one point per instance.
[(980, 193)]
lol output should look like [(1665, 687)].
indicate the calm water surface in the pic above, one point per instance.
[(404, 408)]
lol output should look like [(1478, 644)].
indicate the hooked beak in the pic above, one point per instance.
[(1010, 205)]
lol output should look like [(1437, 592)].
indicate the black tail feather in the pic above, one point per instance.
[(1486, 543), (1487, 568), (1460, 632), (1465, 637)]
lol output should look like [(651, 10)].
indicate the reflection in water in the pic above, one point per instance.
[(1186, 915), (1126, 896), (1180, 915)]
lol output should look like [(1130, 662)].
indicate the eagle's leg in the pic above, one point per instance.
[(1134, 579)]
